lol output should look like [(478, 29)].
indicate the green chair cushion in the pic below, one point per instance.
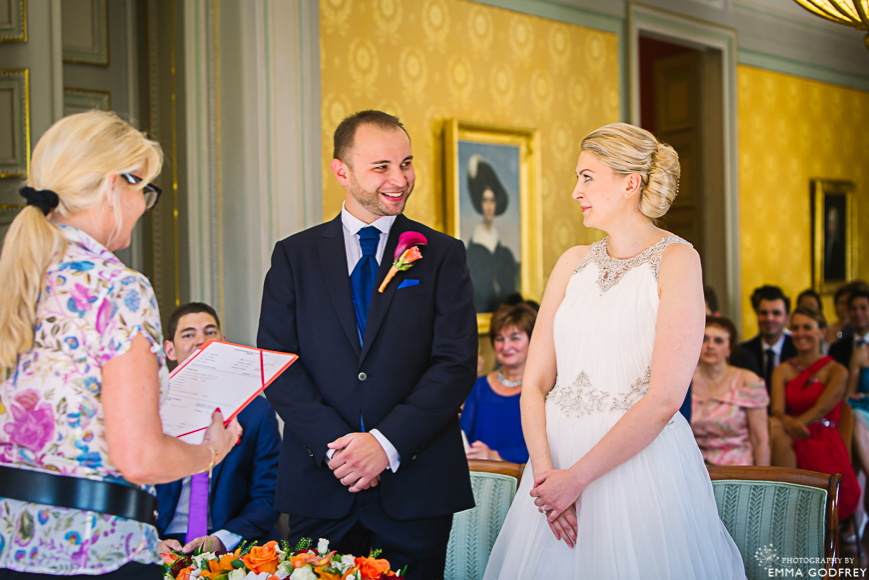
[(776, 526), (475, 530)]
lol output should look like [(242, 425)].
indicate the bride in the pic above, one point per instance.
[(617, 487)]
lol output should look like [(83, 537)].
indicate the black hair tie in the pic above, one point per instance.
[(44, 199)]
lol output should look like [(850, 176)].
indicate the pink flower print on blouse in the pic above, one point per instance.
[(80, 300), (104, 315), (33, 423)]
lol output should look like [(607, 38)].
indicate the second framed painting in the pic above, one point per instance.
[(833, 233), (492, 205)]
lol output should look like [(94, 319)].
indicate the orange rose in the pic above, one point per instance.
[(220, 565), (323, 575), (371, 568), (262, 558), (184, 574)]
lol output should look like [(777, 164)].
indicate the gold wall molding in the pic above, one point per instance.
[(86, 32), (77, 100), (14, 29), (15, 136)]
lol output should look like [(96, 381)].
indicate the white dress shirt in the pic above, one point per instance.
[(352, 225), (777, 348)]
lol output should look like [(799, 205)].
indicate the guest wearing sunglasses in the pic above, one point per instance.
[(83, 371)]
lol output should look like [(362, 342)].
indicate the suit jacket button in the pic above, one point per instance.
[(362, 376)]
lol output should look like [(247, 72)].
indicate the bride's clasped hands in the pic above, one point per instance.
[(556, 492)]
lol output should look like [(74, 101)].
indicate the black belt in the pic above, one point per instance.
[(78, 493)]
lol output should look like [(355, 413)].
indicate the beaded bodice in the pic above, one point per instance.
[(612, 270), (604, 331)]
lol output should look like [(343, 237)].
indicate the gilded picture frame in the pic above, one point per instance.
[(14, 28), (834, 241), (492, 179)]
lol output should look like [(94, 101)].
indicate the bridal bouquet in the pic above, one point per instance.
[(274, 562)]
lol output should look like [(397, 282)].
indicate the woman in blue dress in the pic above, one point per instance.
[(490, 417)]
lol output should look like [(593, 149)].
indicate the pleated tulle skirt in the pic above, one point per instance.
[(653, 517)]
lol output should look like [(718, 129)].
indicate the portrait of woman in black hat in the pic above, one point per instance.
[(494, 270)]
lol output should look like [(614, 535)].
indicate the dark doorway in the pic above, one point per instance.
[(681, 103)]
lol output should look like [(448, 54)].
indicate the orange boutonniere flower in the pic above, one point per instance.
[(406, 253), (262, 558)]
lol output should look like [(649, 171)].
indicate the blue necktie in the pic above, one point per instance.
[(363, 276)]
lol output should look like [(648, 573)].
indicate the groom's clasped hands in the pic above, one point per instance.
[(556, 492), (358, 461)]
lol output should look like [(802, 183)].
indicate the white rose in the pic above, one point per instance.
[(281, 573), (201, 560), (237, 574), (347, 562), (303, 573), (323, 546)]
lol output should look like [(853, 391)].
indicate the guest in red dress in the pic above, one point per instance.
[(807, 393)]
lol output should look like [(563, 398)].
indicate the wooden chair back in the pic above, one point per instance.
[(774, 513)]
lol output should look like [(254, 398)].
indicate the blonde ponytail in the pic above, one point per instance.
[(74, 159), (31, 245)]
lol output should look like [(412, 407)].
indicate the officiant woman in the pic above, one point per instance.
[(81, 441)]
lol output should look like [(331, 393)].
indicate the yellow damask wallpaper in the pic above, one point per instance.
[(792, 130), (430, 60)]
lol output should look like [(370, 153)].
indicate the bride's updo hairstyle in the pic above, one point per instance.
[(628, 149)]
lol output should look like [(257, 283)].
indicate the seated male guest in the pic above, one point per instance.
[(858, 313), (242, 488), (772, 346)]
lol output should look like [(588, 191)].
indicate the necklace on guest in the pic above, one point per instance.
[(509, 384)]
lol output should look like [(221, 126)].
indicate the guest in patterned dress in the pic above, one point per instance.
[(728, 414), (83, 369)]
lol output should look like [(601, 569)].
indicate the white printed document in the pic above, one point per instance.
[(220, 375)]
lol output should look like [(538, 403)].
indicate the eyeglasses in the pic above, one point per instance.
[(151, 191)]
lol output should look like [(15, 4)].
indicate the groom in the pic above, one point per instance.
[(372, 455)]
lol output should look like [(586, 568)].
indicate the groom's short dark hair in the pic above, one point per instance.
[(346, 131)]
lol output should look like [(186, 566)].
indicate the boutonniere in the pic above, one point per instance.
[(406, 254)]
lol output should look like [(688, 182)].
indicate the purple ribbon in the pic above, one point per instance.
[(197, 518)]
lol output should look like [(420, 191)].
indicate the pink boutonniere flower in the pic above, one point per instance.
[(406, 253)]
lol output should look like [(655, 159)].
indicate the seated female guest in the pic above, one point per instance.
[(82, 365), (858, 374), (858, 388), (490, 417), (807, 393), (728, 414)]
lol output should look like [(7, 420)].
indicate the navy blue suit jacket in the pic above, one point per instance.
[(408, 380), (243, 484)]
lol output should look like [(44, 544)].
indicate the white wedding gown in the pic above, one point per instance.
[(652, 517)]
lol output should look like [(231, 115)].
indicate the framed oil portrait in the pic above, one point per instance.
[(492, 205), (834, 242)]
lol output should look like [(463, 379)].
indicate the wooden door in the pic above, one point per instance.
[(678, 90)]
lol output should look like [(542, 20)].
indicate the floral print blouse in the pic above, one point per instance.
[(720, 423), (51, 417)]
